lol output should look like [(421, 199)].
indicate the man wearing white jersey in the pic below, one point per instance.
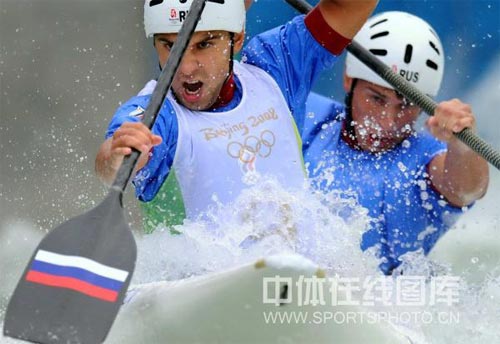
[(225, 123)]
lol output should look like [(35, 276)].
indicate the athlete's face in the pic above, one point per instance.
[(382, 118), (204, 66)]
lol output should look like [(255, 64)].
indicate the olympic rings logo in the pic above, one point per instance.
[(252, 146)]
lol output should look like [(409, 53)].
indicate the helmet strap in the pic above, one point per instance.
[(227, 92), (348, 132), (231, 53), (159, 64)]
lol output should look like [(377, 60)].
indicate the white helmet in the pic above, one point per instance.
[(405, 43), (167, 16)]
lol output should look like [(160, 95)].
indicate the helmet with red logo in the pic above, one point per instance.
[(405, 43), (167, 16)]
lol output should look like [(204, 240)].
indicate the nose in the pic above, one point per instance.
[(387, 121), (189, 63)]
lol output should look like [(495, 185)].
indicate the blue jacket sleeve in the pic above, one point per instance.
[(149, 179)]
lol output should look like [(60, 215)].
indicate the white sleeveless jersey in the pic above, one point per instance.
[(221, 153)]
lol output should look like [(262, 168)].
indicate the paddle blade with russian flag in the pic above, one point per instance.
[(80, 274), (77, 278)]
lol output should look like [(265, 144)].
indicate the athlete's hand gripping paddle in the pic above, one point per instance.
[(76, 280), (477, 144)]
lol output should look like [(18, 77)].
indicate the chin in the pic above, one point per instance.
[(191, 106), (194, 107), (377, 149), (200, 105)]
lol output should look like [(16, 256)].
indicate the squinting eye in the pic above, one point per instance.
[(204, 45), (166, 45), (378, 100)]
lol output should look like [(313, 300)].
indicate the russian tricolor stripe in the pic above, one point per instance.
[(77, 273)]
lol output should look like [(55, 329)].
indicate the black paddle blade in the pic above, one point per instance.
[(75, 283)]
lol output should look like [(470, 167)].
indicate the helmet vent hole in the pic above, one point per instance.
[(408, 53), (431, 64), (155, 2), (433, 46), (379, 52), (379, 22), (380, 34), (434, 33)]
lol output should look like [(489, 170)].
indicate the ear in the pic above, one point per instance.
[(347, 82), (239, 39)]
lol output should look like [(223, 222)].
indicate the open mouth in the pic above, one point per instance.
[(192, 87)]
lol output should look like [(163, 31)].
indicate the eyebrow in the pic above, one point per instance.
[(207, 37), (378, 93), (399, 95)]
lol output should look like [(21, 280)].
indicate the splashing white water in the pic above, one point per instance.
[(467, 315), (267, 220), (264, 220)]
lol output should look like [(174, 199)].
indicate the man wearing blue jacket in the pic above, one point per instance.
[(414, 183)]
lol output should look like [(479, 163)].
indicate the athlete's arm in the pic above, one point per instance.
[(346, 17), (297, 52), (460, 174)]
